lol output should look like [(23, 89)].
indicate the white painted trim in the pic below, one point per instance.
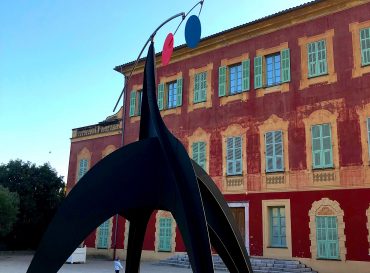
[(244, 205)]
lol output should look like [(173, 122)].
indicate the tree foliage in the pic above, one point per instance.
[(40, 191), (9, 207)]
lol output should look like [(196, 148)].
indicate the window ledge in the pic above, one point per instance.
[(280, 88), (325, 78), (243, 96), (171, 111), (134, 119), (279, 247)]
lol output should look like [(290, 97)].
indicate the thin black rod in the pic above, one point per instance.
[(141, 52), (183, 18)]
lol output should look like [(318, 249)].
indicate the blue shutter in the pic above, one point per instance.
[(196, 88), (230, 170), (327, 237), (285, 65), (160, 96), (179, 92), (132, 103), (82, 168), (222, 81), (368, 134), (269, 151), (258, 72), (238, 155), (365, 46), (322, 66), (165, 234), (322, 150), (245, 75), (103, 232)]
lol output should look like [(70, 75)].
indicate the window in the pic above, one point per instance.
[(234, 79), (275, 67), (322, 152), (277, 227), (365, 46), (234, 156), (82, 168), (135, 102), (170, 94), (103, 232), (165, 234), (327, 237), (199, 153), (317, 64), (274, 151), (200, 87)]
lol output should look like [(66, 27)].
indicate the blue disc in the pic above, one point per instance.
[(192, 31)]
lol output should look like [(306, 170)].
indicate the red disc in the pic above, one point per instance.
[(167, 49)]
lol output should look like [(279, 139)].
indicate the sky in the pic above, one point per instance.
[(57, 59)]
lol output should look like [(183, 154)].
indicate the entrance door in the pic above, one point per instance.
[(239, 216)]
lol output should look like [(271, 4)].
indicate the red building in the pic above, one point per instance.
[(277, 111)]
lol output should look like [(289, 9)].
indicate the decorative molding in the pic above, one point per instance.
[(275, 252), (210, 91), (325, 206), (164, 214), (200, 135), (107, 150), (331, 77), (231, 131), (283, 87), (358, 70), (320, 117)]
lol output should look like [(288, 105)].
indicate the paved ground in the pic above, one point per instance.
[(16, 263)]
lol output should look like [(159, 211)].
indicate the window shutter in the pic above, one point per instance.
[(238, 155), (203, 86), (222, 81), (230, 156), (321, 57), (269, 151), (82, 168), (132, 103), (316, 146), (195, 151), (246, 75), (278, 151), (196, 88), (327, 151), (285, 65), (258, 72), (202, 155), (165, 234), (160, 96), (312, 55), (103, 235), (368, 134), (365, 46), (179, 92)]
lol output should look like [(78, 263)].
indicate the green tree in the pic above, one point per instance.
[(40, 191), (9, 207)]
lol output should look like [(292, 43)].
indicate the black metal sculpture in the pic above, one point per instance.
[(154, 173)]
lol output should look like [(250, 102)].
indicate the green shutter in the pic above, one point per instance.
[(365, 46), (274, 151), (312, 59), (196, 88), (165, 234), (222, 81), (179, 92), (160, 96), (322, 66), (246, 75), (317, 58), (82, 168), (203, 86), (132, 103), (322, 150), (368, 134), (285, 65), (234, 156), (103, 232), (230, 170), (277, 227), (327, 237), (258, 72)]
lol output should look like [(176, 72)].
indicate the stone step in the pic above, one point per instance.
[(259, 265)]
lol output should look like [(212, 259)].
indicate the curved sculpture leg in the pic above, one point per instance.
[(226, 236), (138, 224), (81, 212)]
